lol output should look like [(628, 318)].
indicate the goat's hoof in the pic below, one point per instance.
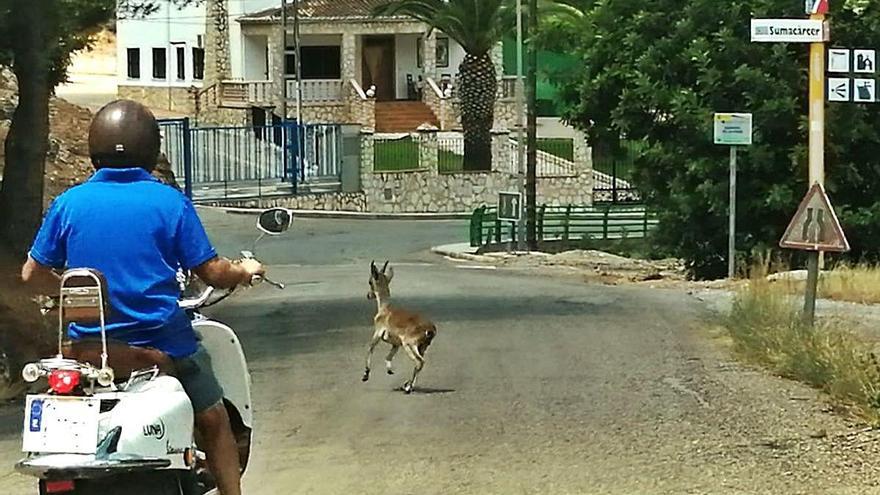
[(390, 372), (366, 376), (407, 388)]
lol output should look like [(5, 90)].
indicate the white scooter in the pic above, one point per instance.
[(115, 420)]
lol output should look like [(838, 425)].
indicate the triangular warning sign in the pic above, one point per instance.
[(815, 226)]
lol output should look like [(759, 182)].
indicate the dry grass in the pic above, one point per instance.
[(766, 328), (859, 284)]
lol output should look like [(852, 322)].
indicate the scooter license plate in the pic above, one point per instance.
[(61, 425)]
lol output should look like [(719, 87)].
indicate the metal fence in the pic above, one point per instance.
[(232, 162), (566, 223), (450, 154), (614, 174)]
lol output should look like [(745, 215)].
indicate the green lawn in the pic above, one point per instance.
[(392, 156)]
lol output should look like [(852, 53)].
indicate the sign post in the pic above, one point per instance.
[(808, 31), (510, 209), (732, 129), (814, 228)]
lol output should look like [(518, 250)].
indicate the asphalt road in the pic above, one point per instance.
[(534, 385)]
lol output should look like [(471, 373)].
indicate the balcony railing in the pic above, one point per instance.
[(318, 91), (242, 94)]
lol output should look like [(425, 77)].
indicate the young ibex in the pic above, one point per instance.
[(397, 327)]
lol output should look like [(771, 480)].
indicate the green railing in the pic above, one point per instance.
[(393, 155), (566, 223)]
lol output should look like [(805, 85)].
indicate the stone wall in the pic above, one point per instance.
[(428, 191), (217, 66), (174, 99), (324, 202)]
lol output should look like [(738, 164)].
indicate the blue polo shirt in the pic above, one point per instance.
[(136, 231)]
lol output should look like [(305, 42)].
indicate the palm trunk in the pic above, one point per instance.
[(21, 195), (477, 91), (532, 131)]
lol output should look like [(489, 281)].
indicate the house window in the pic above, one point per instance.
[(160, 63), (198, 63), (181, 63), (321, 62), (133, 61)]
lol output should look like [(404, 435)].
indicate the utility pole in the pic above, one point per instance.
[(284, 61), (520, 106), (532, 152), (299, 93), (817, 156)]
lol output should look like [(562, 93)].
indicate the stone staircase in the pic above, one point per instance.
[(403, 116)]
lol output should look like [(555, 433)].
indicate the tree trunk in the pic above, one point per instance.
[(532, 130), (21, 195), (477, 91)]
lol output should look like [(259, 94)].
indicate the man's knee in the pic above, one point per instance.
[(213, 419)]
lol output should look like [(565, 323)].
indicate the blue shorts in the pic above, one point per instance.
[(197, 377)]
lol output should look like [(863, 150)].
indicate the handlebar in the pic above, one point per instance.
[(193, 303)]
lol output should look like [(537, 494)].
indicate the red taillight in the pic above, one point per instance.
[(59, 486), (63, 381)]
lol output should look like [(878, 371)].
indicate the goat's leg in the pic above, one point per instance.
[(414, 354), (389, 357), (375, 340)]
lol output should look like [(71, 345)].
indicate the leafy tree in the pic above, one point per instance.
[(39, 37), (656, 71)]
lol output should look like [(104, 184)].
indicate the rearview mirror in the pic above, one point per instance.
[(275, 221)]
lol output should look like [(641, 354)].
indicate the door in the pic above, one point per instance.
[(378, 63)]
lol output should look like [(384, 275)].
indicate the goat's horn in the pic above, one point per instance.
[(384, 267)]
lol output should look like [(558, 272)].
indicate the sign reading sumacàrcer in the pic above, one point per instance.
[(789, 31)]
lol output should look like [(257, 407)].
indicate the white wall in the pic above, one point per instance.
[(159, 31), (238, 56), (456, 57), (406, 63), (256, 67)]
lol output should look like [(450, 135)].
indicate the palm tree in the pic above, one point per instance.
[(477, 26)]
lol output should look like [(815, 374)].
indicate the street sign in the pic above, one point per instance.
[(509, 206), (733, 129), (865, 61), (789, 31), (817, 7), (839, 89), (838, 60), (865, 91), (815, 226)]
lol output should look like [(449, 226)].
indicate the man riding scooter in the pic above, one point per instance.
[(137, 232)]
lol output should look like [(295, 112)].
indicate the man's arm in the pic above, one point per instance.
[(224, 274), (39, 279)]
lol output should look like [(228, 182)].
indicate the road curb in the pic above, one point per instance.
[(333, 214), (460, 252)]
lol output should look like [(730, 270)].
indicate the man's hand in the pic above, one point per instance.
[(252, 268), (224, 274)]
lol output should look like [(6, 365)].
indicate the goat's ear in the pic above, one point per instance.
[(389, 273), (373, 270)]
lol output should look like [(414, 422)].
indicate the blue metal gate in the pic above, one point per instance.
[(237, 162)]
